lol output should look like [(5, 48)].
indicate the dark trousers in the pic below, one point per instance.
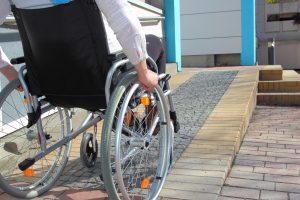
[(156, 51)]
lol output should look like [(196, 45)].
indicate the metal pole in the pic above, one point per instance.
[(271, 52)]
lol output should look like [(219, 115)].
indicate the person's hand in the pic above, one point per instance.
[(146, 77), (10, 73)]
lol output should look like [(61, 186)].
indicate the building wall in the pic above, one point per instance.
[(143, 9), (286, 34), (210, 27), (280, 30), (286, 54), (156, 3)]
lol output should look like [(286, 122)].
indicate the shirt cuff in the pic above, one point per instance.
[(139, 52), (4, 61)]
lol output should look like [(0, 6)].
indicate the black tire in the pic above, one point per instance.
[(114, 182), (87, 155), (18, 142)]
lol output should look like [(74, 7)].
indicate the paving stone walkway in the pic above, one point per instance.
[(267, 166)]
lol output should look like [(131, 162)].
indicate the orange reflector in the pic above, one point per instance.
[(145, 183), (25, 100), (145, 101), (28, 172)]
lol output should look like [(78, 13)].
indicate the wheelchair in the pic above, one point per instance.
[(36, 123)]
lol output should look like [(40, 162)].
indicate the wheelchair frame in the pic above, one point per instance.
[(89, 121)]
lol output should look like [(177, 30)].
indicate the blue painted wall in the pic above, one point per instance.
[(248, 55), (172, 31)]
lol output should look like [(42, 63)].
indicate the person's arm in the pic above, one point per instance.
[(146, 77), (128, 30), (5, 67)]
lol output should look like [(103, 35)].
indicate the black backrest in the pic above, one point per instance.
[(66, 53)]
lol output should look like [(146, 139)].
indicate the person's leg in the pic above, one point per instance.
[(156, 51)]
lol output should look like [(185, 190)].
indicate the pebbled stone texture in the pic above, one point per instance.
[(195, 100)]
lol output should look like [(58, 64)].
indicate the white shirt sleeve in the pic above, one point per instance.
[(4, 11), (127, 28), (3, 59)]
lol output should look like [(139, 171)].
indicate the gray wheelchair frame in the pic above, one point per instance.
[(92, 117)]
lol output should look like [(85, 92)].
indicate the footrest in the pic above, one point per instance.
[(34, 116), (176, 124), (28, 162)]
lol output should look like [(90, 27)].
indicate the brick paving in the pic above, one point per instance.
[(267, 166)]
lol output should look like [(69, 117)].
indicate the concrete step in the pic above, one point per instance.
[(270, 73), (279, 86), (290, 75), (171, 68), (280, 99)]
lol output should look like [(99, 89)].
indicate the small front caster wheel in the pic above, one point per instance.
[(87, 154)]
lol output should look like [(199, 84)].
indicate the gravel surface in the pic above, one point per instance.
[(195, 100)]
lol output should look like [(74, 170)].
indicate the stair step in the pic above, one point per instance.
[(281, 99), (290, 75), (270, 73), (278, 86), (171, 69)]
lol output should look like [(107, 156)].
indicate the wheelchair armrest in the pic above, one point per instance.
[(16, 61), (116, 56)]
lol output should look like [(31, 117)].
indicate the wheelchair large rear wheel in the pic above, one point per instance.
[(17, 142), (135, 149)]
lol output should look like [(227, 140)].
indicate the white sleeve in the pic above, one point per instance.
[(127, 28), (4, 10), (3, 59)]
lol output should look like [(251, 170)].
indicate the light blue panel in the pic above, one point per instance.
[(172, 31), (248, 55)]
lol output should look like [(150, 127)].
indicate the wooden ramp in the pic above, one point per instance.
[(203, 167)]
